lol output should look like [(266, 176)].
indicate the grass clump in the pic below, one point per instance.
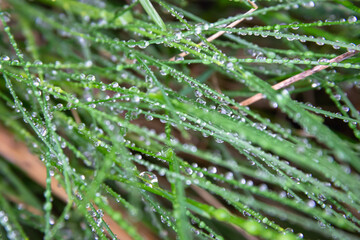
[(138, 117)]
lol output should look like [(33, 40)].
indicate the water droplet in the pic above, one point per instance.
[(229, 176), (43, 131), (295, 27), (198, 30), (131, 43), (38, 62), (188, 170), (178, 36), (6, 58), (352, 19), (311, 203), (81, 126), (309, 4), (143, 44), (337, 97), (212, 169), (88, 63), (345, 108), (149, 178), (320, 43), (47, 206), (263, 187), (149, 117), (91, 78), (271, 55), (300, 235), (167, 152), (230, 66), (198, 93), (136, 99)]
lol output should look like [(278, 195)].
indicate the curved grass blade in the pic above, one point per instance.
[(149, 8)]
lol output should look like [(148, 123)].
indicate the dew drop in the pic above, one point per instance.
[(6, 58), (143, 44), (295, 27), (320, 43), (345, 108), (212, 169), (149, 118), (52, 221), (149, 178), (136, 99), (229, 176), (47, 206), (88, 63), (91, 78), (43, 131), (311, 203), (309, 4), (230, 66), (300, 235), (198, 30), (352, 19), (189, 171), (198, 93)]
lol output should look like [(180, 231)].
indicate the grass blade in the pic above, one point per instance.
[(151, 11)]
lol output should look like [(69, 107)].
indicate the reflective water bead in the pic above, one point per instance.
[(149, 178), (136, 99), (131, 43), (6, 58), (189, 170), (311, 203), (347, 65), (230, 66), (149, 117), (198, 30), (38, 62), (91, 78), (300, 235), (320, 43), (88, 63), (198, 93), (352, 19), (295, 27), (337, 97), (229, 176), (42, 130), (143, 45), (309, 4), (212, 169), (47, 206), (179, 58)]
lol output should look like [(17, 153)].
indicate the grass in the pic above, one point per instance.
[(139, 124)]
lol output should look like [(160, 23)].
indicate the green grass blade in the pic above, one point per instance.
[(151, 11)]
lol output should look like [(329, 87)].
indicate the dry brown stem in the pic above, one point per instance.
[(298, 77), (17, 153)]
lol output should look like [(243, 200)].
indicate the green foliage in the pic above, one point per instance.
[(149, 8), (90, 86)]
